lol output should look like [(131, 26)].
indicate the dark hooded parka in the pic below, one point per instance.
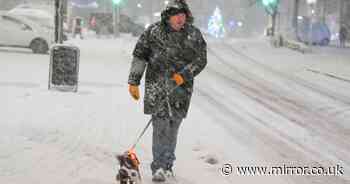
[(162, 51)]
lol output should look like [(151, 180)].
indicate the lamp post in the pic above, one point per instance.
[(311, 4), (58, 21), (116, 17), (271, 7)]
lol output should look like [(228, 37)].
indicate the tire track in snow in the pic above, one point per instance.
[(343, 101), (311, 86), (303, 113), (263, 139), (265, 95)]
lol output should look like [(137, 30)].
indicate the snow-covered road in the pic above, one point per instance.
[(289, 115), (252, 106)]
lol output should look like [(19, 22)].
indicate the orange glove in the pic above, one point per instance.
[(179, 80), (134, 91)]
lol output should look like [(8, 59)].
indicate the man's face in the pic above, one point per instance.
[(177, 21)]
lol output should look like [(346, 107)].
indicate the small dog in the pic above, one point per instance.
[(129, 172)]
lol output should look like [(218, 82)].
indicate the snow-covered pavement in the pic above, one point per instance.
[(253, 106)]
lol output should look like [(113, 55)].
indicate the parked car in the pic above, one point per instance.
[(40, 16), (127, 25), (37, 15), (17, 31), (102, 23), (320, 33)]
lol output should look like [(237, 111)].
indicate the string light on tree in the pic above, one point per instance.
[(216, 24)]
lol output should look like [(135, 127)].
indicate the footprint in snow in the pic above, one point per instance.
[(210, 159)]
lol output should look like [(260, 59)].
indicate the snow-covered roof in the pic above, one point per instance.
[(36, 14)]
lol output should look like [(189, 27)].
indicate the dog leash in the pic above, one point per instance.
[(141, 135), (150, 121)]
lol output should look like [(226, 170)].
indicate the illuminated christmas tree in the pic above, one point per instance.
[(216, 24)]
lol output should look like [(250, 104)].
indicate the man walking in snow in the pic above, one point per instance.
[(173, 52)]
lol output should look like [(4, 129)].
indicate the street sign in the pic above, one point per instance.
[(64, 68), (270, 5)]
